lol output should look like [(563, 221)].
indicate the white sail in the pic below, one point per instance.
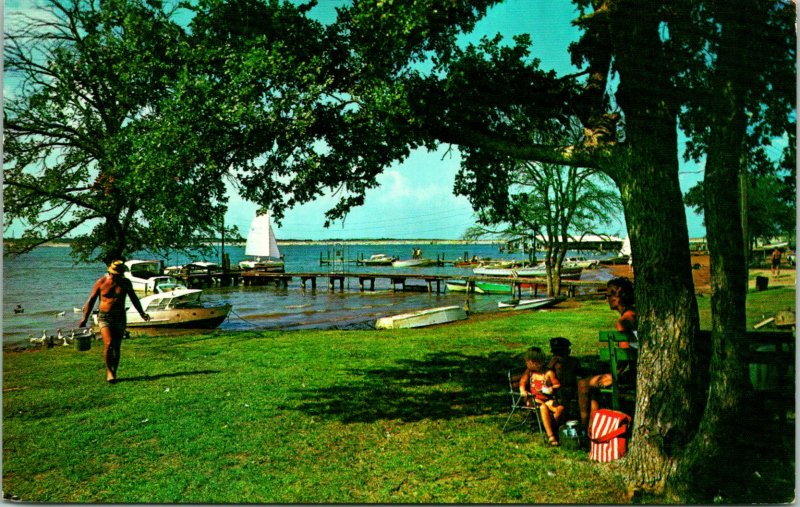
[(626, 247), (260, 239)]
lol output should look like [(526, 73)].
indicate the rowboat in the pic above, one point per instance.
[(421, 318), (457, 285), (529, 304), (493, 288)]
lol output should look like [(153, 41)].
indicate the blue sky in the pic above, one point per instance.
[(415, 198)]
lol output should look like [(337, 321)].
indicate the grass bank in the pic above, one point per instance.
[(304, 416)]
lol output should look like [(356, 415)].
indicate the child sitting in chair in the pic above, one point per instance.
[(538, 385)]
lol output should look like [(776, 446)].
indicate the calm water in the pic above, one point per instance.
[(47, 283)]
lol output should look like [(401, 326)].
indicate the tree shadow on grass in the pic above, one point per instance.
[(443, 385), (147, 378)]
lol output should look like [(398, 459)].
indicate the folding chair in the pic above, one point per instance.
[(518, 406)]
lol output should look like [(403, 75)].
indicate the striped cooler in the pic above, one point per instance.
[(608, 435)]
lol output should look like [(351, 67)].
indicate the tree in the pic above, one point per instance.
[(553, 203), (659, 56), (90, 77), (771, 207)]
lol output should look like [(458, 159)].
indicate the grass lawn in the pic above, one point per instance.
[(303, 416)]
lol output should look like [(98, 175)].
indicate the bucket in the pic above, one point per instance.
[(570, 436), (83, 342)]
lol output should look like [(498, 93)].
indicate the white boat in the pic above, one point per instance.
[(538, 270), (378, 260), (457, 286), (413, 263), (530, 272), (580, 262), (145, 275), (180, 308), (529, 304), (262, 245), (428, 317)]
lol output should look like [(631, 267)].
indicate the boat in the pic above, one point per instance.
[(457, 285), (579, 262), (529, 304), (145, 275), (483, 287), (378, 260), (179, 308), (567, 273), (421, 318), (493, 288), (261, 243), (413, 263)]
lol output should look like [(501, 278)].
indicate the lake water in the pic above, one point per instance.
[(46, 283)]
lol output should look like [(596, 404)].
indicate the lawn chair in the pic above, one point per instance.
[(615, 347), (519, 407)]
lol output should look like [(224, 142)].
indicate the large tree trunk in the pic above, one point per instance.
[(669, 403), (728, 370)]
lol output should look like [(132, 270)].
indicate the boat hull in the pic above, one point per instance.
[(422, 318), (413, 263), (529, 304), (206, 317)]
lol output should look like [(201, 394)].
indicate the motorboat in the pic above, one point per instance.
[(529, 304), (262, 245), (378, 260), (145, 275), (421, 318), (179, 308), (413, 263)]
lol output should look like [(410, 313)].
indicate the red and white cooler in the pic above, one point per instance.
[(608, 435)]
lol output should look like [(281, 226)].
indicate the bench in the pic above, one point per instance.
[(770, 357), (615, 347)]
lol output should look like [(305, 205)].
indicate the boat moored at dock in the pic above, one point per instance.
[(179, 308)]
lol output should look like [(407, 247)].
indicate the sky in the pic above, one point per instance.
[(415, 198)]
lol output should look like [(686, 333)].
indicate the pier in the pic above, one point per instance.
[(433, 283)]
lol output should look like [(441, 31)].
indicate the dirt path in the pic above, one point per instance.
[(702, 275)]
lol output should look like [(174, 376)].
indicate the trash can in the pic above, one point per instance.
[(762, 282), (83, 342)]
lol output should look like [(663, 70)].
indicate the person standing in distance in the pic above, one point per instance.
[(112, 289)]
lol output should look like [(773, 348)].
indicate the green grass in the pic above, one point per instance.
[(411, 416)]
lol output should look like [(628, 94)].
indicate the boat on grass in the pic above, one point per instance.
[(262, 245), (179, 308), (529, 304), (421, 318)]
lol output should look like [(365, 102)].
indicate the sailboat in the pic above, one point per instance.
[(262, 245)]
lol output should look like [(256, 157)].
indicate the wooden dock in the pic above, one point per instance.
[(433, 283)]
